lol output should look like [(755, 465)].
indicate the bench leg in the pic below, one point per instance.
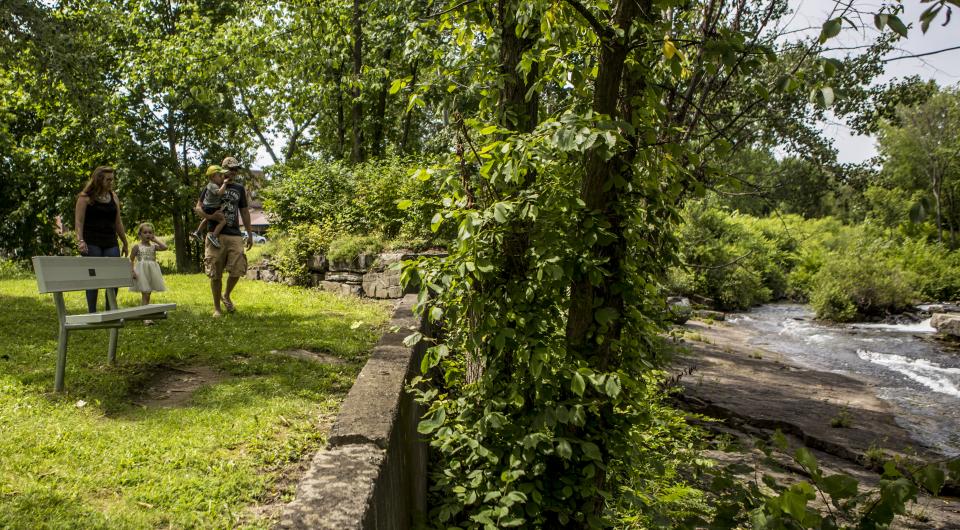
[(61, 360), (112, 352), (114, 332)]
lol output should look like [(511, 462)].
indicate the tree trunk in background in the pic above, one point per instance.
[(937, 185), (408, 115), (182, 244), (341, 125), (517, 112), (380, 111), (182, 253), (356, 152)]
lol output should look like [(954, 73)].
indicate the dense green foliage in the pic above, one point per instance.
[(847, 272), (564, 190), (343, 210), (109, 454), (381, 197), (295, 246)]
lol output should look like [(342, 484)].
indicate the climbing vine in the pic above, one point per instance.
[(596, 120)]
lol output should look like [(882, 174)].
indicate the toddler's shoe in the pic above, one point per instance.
[(196, 235), (213, 240)]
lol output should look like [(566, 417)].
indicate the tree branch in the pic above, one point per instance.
[(604, 32), (915, 55), (445, 11)]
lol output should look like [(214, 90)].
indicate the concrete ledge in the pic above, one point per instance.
[(373, 473), (336, 489)]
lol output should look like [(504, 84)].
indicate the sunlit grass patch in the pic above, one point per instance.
[(95, 457)]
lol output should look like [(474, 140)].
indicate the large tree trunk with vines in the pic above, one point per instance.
[(518, 112), (604, 204)]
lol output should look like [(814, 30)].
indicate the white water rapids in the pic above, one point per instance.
[(915, 373)]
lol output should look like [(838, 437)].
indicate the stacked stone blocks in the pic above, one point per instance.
[(368, 275)]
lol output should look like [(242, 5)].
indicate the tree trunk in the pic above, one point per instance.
[(341, 125), (604, 202), (356, 153), (937, 184), (181, 244), (182, 252), (408, 115), (380, 111), (517, 111), (599, 194)]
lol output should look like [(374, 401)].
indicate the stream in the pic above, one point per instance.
[(916, 374)]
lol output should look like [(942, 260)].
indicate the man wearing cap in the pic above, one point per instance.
[(230, 256)]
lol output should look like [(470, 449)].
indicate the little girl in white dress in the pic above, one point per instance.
[(143, 262)]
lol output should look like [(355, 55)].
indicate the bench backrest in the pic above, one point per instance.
[(56, 274)]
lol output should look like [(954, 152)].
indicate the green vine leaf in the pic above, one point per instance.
[(577, 384), (433, 423)]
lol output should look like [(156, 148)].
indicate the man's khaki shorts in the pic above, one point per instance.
[(229, 257)]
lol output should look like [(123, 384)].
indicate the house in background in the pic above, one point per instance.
[(254, 181)]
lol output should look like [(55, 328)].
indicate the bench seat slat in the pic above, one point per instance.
[(118, 314)]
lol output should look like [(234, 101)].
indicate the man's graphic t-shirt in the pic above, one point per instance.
[(234, 198)]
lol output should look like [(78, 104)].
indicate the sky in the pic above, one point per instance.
[(943, 67)]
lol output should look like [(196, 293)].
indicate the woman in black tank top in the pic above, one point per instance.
[(97, 222)]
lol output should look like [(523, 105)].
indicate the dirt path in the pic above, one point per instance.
[(174, 387), (756, 392)]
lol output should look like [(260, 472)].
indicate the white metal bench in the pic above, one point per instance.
[(59, 274)]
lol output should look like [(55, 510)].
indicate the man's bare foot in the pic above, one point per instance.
[(217, 313)]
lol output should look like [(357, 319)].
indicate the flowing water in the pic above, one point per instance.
[(919, 376)]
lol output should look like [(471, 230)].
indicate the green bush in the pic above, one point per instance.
[(13, 270), (935, 271), (295, 246), (382, 197), (737, 261), (346, 248), (729, 258), (856, 285)]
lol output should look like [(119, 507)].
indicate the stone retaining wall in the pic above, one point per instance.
[(369, 275), (372, 475)]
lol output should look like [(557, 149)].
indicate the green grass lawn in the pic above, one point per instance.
[(95, 458)]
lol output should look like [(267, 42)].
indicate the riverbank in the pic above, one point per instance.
[(756, 391)]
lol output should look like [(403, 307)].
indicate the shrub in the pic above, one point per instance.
[(935, 271), (729, 259), (295, 246), (382, 196), (348, 247), (13, 270), (859, 285)]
